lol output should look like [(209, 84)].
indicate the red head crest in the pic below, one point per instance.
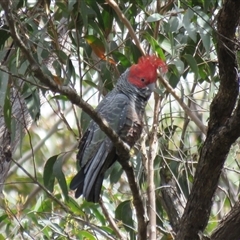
[(145, 71)]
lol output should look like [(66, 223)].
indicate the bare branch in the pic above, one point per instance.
[(111, 221), (153, 146)]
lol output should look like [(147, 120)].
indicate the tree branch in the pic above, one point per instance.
[(229, 226), (122, 148), (111, 221), (121, 16), (153, 146), (222, 132)]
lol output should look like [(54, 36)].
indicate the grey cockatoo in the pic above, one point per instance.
[(123, 108)]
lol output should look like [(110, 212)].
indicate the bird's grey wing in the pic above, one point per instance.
[(95, 147), (114, 112)]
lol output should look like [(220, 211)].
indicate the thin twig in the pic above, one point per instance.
[(111, 221), (187, 110), (118, 11), (153, 146)]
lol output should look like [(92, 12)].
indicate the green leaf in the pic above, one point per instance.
[(7, 110), (190, 26), (136, 54), (84, 10), (154, 17), (90, 83), (4, 35), (48, 176), (85, 119), (71, 4), (206, 39), (70, 72), (124, 213), (179, 65), (173, 79), (32, 99), (122, 58), (155, 45), (86, 235), (62, 56), (57, 66), (115, 173), (98, 214), (174, 24), (3, 217), (3, 87), (192, 63), (107, 17), (106, 75), (74, 206), (94, 5), (165, 44), (57, 172)]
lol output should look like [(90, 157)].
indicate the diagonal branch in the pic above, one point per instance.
[(71, 94)]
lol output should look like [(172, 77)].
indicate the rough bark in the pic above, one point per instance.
[(223, 129), (171, 199), (229, 226), (9, 141)]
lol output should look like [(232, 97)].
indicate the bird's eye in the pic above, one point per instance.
[(143, 79)]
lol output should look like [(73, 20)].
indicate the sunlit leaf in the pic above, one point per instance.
[(98, 48), (179, 65), (155, 45), (165, 44), (206, 39), (190, 26), (74, 206), (154, 17), (86, 235)]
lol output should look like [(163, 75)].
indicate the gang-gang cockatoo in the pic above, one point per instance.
[(123, 108)]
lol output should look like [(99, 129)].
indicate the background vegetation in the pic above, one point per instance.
[(60, 57)]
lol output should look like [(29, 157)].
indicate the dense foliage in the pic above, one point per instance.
[(85, 45)]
